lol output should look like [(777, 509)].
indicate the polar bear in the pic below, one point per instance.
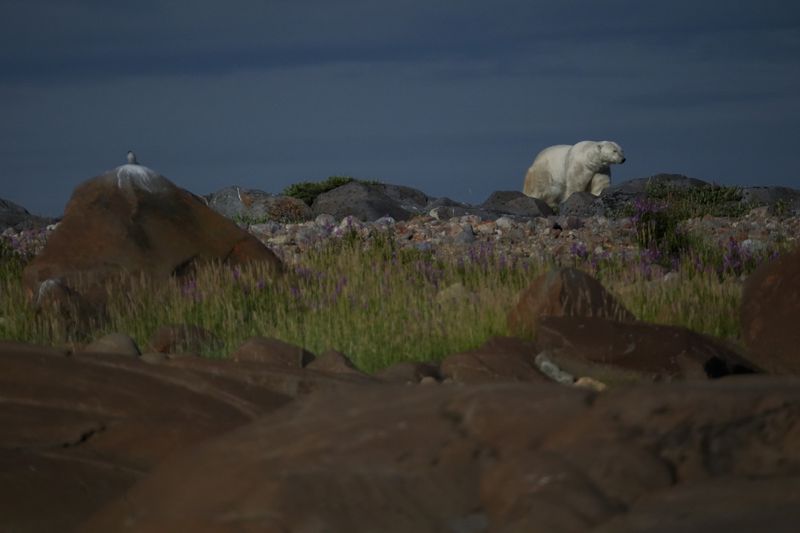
[(559, 171)]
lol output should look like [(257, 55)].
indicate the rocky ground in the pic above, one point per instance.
[(510, 223), (599, 423)]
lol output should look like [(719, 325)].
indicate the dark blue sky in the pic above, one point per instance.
[(452, 97)]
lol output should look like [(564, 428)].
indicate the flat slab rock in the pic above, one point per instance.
[(721, 456), (78, 430)]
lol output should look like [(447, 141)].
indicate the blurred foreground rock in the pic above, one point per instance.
[(78, 430), (770, 313), (697, 457)]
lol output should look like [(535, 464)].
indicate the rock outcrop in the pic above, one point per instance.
[(133, 220), (769, 315), (493, 457)]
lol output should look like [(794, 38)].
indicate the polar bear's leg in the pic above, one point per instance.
[(539, 183), (578, 179), (598, 183)]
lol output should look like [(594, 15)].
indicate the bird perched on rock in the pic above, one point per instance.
[(132, 158)]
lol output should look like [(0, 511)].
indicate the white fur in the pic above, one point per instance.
[(559, 171)]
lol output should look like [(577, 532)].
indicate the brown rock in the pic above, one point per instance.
[(733, 505), (334, 362), (182, 338), (77, 431), (288, 380), (563, 292), (272, 352), (116, 343), (769, 313), (132, 220), (408, 372), (499, 359), (612, 351), (505, 457)]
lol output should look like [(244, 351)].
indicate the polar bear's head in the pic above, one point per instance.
[(610, 152)]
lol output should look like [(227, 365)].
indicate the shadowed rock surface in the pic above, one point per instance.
[(582, 204), (491, 457), (613, 352), (182, 338), (272, 352), (17, 217), (516, 203), (499, 359), (76, 431), (769, 315), (563, 292), (782, 200), (364, 201)]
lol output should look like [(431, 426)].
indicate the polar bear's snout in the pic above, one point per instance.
[(622, 160)]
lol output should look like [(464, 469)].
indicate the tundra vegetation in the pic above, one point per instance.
[(380, 303)]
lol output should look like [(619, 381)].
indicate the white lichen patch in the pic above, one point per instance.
[(141, 177), (45, 287)]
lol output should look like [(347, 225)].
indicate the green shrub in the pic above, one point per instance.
[(307, 191), (692, 202)]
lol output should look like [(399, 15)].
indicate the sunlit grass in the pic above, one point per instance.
[(375, 302)]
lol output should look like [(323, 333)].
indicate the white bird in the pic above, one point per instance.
[(132, 158)]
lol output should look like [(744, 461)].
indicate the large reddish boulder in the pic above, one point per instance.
[(563, 292), (499, 457), (133, 220), (769, 315)]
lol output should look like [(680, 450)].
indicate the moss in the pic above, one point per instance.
[(308, 191)]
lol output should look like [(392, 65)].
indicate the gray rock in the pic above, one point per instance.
[(617, 197), (516, 203), (17, 217), (408, 198), (444, 208), (780, 200), (254, 205), (365, 201), (465, 236), (639, 185), (116, 343), (582, 204), (325, 220)]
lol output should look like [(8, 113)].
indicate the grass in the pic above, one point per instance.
[(380, 303), (375, 302)]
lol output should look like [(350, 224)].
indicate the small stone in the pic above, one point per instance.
[(325, 220), (385, 221), (465, 236), (551, 370), (590, 383), (504, 223), (116, 343), (428, 380), (752, 246)]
